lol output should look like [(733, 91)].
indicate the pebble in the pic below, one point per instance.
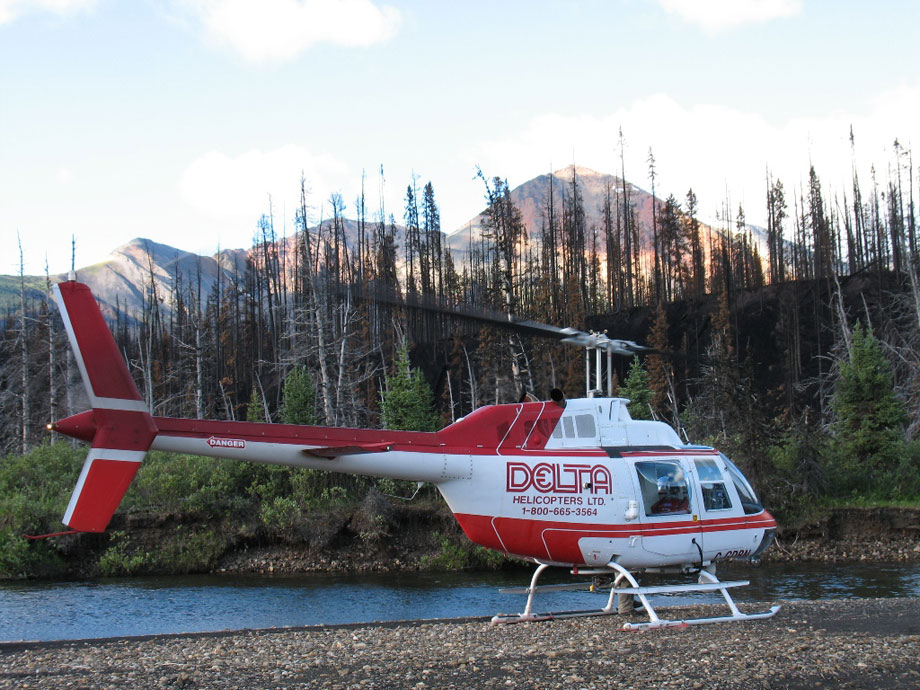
[(855, 643)]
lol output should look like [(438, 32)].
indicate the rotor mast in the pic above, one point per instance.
[(597, 350), (599, 343)]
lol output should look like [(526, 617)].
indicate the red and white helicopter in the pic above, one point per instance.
[(574, 483)]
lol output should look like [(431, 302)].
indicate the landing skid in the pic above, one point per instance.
[(707, 583)]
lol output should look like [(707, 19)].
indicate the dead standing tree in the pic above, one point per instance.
[(504, 228)]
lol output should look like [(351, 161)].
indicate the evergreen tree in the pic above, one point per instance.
[(407, 402), (299, 398), (869, 416), (255, 411), (636, 388)]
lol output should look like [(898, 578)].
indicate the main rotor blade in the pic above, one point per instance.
[(570, 336)]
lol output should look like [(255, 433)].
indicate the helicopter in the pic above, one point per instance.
[(573, 483)]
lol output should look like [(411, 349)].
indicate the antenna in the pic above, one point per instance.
[(73, 258)]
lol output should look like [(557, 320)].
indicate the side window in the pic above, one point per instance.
[(569, 427), (712, 485), (664, 488), (584, 424)]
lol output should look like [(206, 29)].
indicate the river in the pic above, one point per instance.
[(151, 605)]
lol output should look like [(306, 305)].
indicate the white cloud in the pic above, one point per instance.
[(237, 188), (722, 152), (12, 9), (718, 15), (63, 175), (277, 30)]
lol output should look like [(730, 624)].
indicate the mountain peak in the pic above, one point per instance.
[(580, 171)]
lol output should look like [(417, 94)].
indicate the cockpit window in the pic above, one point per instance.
[(749, 500), (664, 488), (712, 485)]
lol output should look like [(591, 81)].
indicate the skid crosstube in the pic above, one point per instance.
[(708, 583)]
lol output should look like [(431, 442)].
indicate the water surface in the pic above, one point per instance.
[(150, 605)]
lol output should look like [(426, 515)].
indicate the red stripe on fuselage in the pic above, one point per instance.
[(520, 430), (525, 537), (293, 434)]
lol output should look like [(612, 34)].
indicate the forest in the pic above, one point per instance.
[(797, 355)]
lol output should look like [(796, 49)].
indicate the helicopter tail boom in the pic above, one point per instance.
[(119, 427)]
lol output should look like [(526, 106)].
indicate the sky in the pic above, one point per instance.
[(184, 121)]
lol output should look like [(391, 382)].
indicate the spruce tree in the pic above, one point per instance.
[(636, 388), (255, 410), (299, 398), (869, 416), (407, 402)]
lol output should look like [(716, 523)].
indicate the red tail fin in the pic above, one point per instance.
[(122, 427)]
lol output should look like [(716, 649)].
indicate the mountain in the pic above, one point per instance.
[(532, 198), (124, 277), (126, 274)]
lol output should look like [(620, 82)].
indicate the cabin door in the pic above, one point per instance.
[(719, 511), (668, 511)]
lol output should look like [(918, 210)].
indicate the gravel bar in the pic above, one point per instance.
[(855, 643)]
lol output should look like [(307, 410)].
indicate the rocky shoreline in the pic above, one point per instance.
[(883, 535), (843, 644), (286, 560), (880, 550), (853, 643)]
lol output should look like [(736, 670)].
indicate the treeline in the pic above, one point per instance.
[(339, 297)]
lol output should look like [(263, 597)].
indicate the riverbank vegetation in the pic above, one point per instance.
[(186, 514)]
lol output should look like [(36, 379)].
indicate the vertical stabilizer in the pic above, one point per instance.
[(123, 428)]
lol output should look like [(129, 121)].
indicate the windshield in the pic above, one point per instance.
[(749, 500)]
